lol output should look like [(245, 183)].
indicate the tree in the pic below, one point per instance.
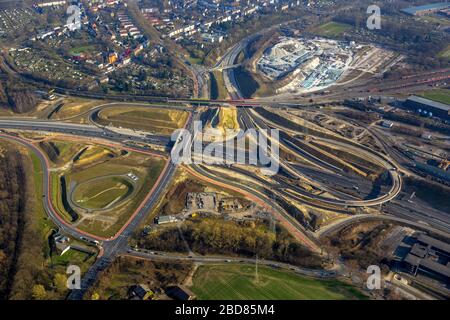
[(39, 292), (3, 259), (60, 282), (95, 296)]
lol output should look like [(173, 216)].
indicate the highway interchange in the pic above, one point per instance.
[(248, 119), (118, 245)]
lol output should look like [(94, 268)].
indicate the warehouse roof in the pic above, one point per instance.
[(430, 103)]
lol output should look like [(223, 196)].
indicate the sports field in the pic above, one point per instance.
[(229, 282), (439, 95), (332, 29)]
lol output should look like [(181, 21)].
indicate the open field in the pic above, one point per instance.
[(228, 119), (445, 53), (239, 282), (82, 49), (97, 187), (59, 151), (162, 121), (73, 106), (436, 19), (122, 201), (72, 257), (439, 95), (332, 29), (93, 154), (103, 192), (218, 90)]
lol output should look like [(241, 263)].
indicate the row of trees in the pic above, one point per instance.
[(218, 236)]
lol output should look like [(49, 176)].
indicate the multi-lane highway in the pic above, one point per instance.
[(110, 247), (257, 122), (82, 130)]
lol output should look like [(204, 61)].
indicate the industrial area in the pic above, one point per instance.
[(314, 64)]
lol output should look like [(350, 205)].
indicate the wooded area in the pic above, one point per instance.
[(20, 253), (218, 236), (24, 248), (17, 97)]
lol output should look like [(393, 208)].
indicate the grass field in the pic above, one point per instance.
[(154, 120), (218, 90), (228, 119), (93, 154), (74, 106), (445, 53), (439, 95), (101, 193), (229, 282), (332, 29), (436, 20), (98, 174), (82, 49), (59, 151), (146, 168)]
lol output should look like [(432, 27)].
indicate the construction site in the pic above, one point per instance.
[(308, 65)]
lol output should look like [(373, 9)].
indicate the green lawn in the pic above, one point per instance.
[(439, 95), (229, 282), (146, 168), (445, 53), (436, 20), (218, 89), (72, 256), (67, 150), (44, 222), (82, 49), (332, 29), (98, 194)]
